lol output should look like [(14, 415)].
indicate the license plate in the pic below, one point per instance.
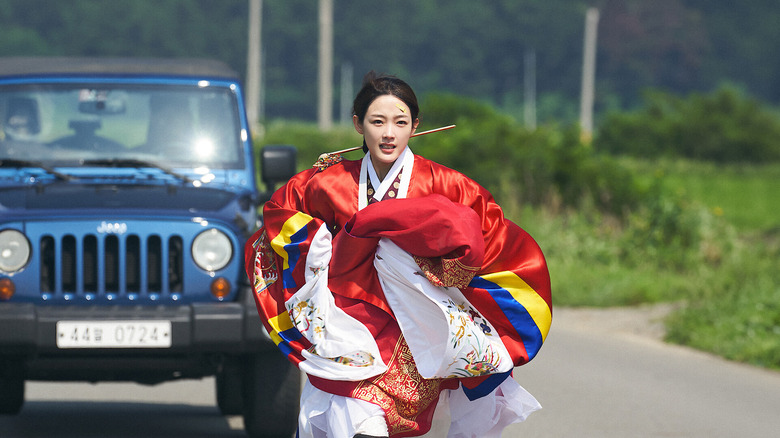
[(113, 334)]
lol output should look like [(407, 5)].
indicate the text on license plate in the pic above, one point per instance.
[(113, 334)]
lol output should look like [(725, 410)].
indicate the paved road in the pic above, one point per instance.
[(121, 410), (603, 382), (592, 381)]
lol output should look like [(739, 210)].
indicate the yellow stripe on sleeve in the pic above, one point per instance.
[(290, 227), (279, 323), (527, 297)]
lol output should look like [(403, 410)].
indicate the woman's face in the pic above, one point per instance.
[(386, 128)]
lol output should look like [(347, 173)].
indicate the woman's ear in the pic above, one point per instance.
[(415, 124), (358, 126)]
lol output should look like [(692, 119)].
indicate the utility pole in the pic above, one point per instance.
[(588, 74), (253, 64), (325, 75), (529, 85), (345, 107)]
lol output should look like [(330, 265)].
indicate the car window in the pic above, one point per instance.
[(174, 126)]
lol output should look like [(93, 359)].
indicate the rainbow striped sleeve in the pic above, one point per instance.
[(522, 309), (280, 327), (289, 340), (291, 242)]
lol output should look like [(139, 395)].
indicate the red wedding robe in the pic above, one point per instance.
[(459, 237)]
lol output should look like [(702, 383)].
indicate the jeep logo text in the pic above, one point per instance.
[(112, 228)]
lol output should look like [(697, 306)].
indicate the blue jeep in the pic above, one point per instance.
[(127, 190)]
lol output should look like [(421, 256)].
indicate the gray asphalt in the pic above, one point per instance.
[(591, 383), (609, 385)]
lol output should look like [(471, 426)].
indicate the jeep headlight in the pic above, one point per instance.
[(14, 251), (212, 250)]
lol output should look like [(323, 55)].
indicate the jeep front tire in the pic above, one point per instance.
[(272, 389)]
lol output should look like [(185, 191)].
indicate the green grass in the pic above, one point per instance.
[(728, 283), (588, 266), (738, 315), (747, 196)]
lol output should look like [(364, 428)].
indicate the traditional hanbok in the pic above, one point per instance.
[(396, 296)]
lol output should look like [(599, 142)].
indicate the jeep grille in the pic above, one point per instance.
[(111, 265)]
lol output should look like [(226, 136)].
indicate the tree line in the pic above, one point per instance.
[(459, 46)]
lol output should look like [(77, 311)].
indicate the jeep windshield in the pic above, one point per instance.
[(167, 126)]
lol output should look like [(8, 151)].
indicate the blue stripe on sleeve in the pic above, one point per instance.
[(293, 250), (515, 312)]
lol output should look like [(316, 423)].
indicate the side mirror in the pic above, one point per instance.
[(277, 164)]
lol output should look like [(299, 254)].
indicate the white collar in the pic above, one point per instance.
[(404, 162)]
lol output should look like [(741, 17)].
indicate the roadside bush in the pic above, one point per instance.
[(737, 314), (723, 126), (547, 165), (594, 262)]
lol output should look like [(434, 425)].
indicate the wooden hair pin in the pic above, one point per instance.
[(330, 158)]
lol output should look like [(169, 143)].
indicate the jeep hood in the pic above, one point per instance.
[(115, 197)]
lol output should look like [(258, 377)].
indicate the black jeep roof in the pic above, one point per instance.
[(20, 66)]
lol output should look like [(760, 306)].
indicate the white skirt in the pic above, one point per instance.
[(324, 415)]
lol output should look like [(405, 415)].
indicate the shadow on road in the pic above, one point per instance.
[(57, 419)]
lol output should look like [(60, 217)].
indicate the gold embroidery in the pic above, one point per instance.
[(442, 271), (401, 391), (327, 160), (265, 270)]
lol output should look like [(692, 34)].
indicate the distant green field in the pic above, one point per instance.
[(747, 196), (731, 303)]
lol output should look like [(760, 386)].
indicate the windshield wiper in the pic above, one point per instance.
[(9, 162), (124, 162)]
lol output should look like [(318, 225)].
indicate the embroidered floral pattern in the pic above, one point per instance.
[(464, 318), (308, 319), (359, 359), (317, 270), (478, 365), (468, 331)]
